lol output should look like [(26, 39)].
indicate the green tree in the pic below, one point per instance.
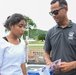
[(41, 36), (30, 23), (29, 26)]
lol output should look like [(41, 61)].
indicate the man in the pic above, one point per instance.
[(60, 41)]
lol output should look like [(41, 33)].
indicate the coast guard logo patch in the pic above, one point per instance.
[(70, 35)]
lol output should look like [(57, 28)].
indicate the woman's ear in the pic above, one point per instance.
[(10, 26)]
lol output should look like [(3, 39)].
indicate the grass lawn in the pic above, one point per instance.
[(37, 42), (35, 47)]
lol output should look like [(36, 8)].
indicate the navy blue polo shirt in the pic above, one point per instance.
[(61, 42)]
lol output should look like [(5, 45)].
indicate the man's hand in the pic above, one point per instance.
[(66, 66)]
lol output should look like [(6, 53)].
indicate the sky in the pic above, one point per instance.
[(37, 10)]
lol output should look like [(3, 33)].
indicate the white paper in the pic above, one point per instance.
[(46, 69)]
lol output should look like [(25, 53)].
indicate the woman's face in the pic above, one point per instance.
[(18, 29)]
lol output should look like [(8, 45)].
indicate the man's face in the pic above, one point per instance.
[(58, 12)]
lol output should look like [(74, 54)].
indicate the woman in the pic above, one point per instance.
[(12, 49)]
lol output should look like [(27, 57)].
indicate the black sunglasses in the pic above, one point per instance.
[(55, 12)]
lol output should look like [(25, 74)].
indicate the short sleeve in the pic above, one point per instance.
[(47, 45), (24, 51), (24, 56), (1, 54)]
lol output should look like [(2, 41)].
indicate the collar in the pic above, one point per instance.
[(68, 26)]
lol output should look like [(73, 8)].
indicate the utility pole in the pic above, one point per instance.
[(27, 41)]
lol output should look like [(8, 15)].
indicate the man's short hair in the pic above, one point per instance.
[(61, 2)]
